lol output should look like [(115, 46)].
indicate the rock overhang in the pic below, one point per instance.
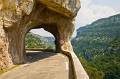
[(68, 8)]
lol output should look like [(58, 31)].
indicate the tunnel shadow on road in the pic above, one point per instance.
[(33, 56)]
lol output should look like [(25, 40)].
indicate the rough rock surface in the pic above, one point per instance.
[(66, 7), (18, 17)]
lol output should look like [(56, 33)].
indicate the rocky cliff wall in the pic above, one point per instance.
[(18, 17)]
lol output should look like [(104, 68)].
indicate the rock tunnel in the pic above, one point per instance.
[(18, 17), (15, 23)]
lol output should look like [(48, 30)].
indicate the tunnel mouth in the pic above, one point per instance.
[(39, 40)]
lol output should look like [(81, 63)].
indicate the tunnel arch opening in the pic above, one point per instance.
[(39, 39)]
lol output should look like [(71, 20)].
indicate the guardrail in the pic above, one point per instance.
[(79, 71)]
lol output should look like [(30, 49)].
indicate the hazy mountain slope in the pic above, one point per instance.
[(99, 45)]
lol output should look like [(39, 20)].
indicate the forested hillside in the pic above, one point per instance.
[(98, 47), (36, 41)]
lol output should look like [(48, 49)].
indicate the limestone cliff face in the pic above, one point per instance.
[(18, 17)]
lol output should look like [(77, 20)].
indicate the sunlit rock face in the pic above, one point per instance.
[(66, 7), (17, 17)]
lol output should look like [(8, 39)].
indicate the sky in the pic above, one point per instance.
[(90, 11)]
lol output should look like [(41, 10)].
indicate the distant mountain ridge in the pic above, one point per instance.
[(99, 45), (44, 38), (101, 22)]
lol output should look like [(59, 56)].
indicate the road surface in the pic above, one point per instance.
[(41, 65)]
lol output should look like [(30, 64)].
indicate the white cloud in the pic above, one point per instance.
[(102, 11)]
